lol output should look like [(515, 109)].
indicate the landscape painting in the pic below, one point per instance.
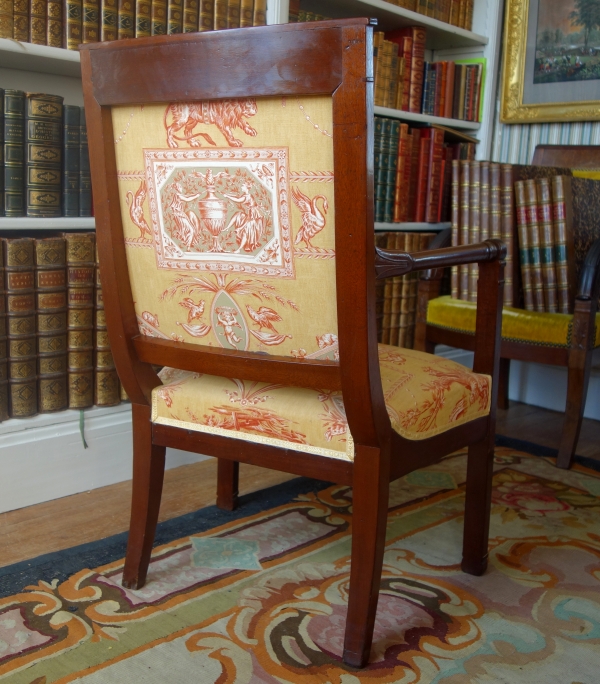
[(567, 41)]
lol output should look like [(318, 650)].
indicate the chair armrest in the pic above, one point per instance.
[(391, 262), (589, 280)]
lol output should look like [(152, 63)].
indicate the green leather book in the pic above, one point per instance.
[(43, 154), (159, 17), (143, 23), (126, 19), (85, 180), (90, 21), (109, 17), (71, 161), (14, 133), (72, 23)]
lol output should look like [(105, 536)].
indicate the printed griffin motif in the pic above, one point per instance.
[(195, 311), (226, 115), (264, 318), (136, 212), (313, 221)]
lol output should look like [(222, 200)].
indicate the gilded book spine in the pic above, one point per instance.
[(54, 29), (463, 270), (474, 227), (14, 137), (85, 179), (80, 318), (72, 23), (563, 223), (70, 181), (21, 327), (387, 297), (259, 17), (2, 152), (544, 195), (455, 217), (174, 16), (484, 211), (396, 295), (524, 253), (159, 17), (206, 22), (37, 21), (43, 154), (109, 20), (143, 21), (233, 14), (6, 19), (3, 344), (246, 13), (51, 305), (106, 381), (220, 15), (535, 259), (380, 241), (21, 20), (190, 16), (90, 21), (507, 200), (126, 19)]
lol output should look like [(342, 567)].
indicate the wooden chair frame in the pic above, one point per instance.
[(332, 58)]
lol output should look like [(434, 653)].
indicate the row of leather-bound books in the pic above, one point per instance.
[(413, 170), (68, 23), (405, 81), (540, 212), (396, 298), (54, 349), (45, 166)]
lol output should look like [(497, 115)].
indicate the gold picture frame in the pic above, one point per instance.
[(524, 98)]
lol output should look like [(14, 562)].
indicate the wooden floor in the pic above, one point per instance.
[(73, 520)]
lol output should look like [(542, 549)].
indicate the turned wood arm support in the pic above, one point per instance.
[(391, 262)]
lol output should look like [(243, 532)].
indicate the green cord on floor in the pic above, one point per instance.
[(81, 426)]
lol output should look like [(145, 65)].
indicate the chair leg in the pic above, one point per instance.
[(480, 469), (148, 475), (227, 484), (503, 378), (577, 387), (369, 517)]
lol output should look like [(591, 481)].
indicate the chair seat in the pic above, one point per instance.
[(424, 395), (518, 325)]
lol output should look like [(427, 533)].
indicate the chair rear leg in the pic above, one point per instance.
[(480, 469), (227, 484), (503, 378), (148, 475), (369, 517), (577, 387)]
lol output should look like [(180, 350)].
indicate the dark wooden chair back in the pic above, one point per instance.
[(569, 156)]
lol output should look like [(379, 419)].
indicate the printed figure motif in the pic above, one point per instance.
[(249, 222), (226, 115), (313, 221), (136, 212), (187, 225), (227, 320)]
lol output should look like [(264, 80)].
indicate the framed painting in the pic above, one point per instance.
[(551, 67)]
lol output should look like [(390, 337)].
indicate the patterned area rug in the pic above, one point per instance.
[(534, 617)]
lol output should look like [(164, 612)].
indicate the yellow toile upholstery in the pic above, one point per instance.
[(424, 395), (545, 329)]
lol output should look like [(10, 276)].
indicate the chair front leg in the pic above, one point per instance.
[(370, 495), (148, 476), (227, 484)]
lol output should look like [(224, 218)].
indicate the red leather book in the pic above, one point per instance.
[(443, 78), (418, 35), (449, 90), (437, 98), (434, 175), (405, 50), (414, 174), (422, 174), (401, 189)]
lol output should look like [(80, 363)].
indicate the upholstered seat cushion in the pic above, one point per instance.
[(518, 325), (424, 395)]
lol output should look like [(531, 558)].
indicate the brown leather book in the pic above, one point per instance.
[(417, 62), (191, 16), (422, 174), (544, 204), (474, 227), (455, 217), (20, 19), (6, 19), (159, 17), (434, 176), (206, 21), (3, 345), (80, 300), (259, 17), (233, 14), (247, 12), (174, 17), (72, 23), (109, 20), (220, 14), (396, 303), (524, 253), (401, 189), (51, 306), (409, 242), (54, 21), (106, 381), (465, 198), (37, 22), (380, 241), (562, 216), (20, 326), (126, 19), (143, 18), (90, 21), (387, 296)]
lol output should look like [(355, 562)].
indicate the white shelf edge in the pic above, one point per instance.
[(427, 118), (41, 58), (427, 227), (61, 223)]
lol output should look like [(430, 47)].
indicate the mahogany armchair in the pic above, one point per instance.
[(233, 183)]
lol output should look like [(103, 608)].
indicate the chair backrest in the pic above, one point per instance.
[(569, 156), (233, 192)]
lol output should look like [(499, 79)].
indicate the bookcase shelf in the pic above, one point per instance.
[(427, 118), (416, 227), (39, 58), (440, 35), (50, 224)]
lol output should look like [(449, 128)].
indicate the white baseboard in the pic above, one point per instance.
[(43, 458)]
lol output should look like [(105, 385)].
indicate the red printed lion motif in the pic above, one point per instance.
[(226, 115)]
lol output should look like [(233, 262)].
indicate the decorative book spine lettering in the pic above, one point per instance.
[(563, 222), (190, 16), (72, 23), (20, 324), (54, 23), (80, 319), (533, 228), (70, 184), (220, 15), (37, 22), (3, 343), (474, 228), (85, 179), (247, 10), (259, 18), (126, 19), (109, 19), (507, 198), (106, 380), (20, 20), (455, 217), (524, 253), (544, 196), (51, 305), (14, 137), (90, 21), (207, 15), (143, 18), (233, 14), (174, 17), (43, 154), (159, 17), (463, 270)]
